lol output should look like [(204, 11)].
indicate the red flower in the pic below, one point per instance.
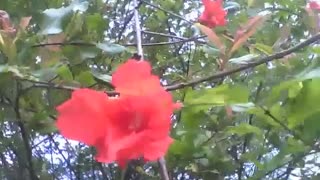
[(314, 5), (132, 125), (213, 14)]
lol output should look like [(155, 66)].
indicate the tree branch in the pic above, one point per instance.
[(24, 136), (218, 75), (255, 62), (63, 156)]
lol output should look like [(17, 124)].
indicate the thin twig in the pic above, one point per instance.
[(165, 35), (255, 62), (166, 11), (39, 84), (177, 37), (272, 9), (51, 137), (64, 44), (268, 113), (195, 39)]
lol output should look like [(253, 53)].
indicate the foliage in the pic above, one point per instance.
[(250, 89)]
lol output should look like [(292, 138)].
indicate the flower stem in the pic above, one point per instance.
[(123, 173), (163, 169)]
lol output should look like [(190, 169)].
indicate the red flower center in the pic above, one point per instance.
[(136, 123)]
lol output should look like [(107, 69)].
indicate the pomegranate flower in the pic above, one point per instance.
[(135, 124), (213, 14)]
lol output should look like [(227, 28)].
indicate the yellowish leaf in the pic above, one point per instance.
[(24, 22), (243, 33), (213, 37)]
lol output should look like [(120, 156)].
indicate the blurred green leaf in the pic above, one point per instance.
[(218, 96), (85, 78), (264, 48), (110, 48), (65, 73), (96, 23), (243, 59), (305, 104), (52, 22), (243, 129), (104, 77)]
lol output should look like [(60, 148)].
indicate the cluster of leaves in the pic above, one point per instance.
[(259, 122)]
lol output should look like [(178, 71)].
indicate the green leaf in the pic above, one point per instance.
[(52, 22), (210, 51), (295, 146), (103, 77), (65, 73), (280, 89), (8, 47), (45, 74), (111, 48), (85, 78), (276, 110), (218, 96), (243, 129), (311, 128), (243, 59), (15, 70), (161, 15), (242, 107), (305, 104), (96, 23), (308, 74), (264, 48), (193, 116), (179, 147)]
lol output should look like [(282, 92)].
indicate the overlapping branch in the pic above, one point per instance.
[(255, 62), (215, 76)]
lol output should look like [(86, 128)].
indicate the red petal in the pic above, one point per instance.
[(131, 71), (122, 145), (156, 149), (135, 78), (82, 117), (148, 85)]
